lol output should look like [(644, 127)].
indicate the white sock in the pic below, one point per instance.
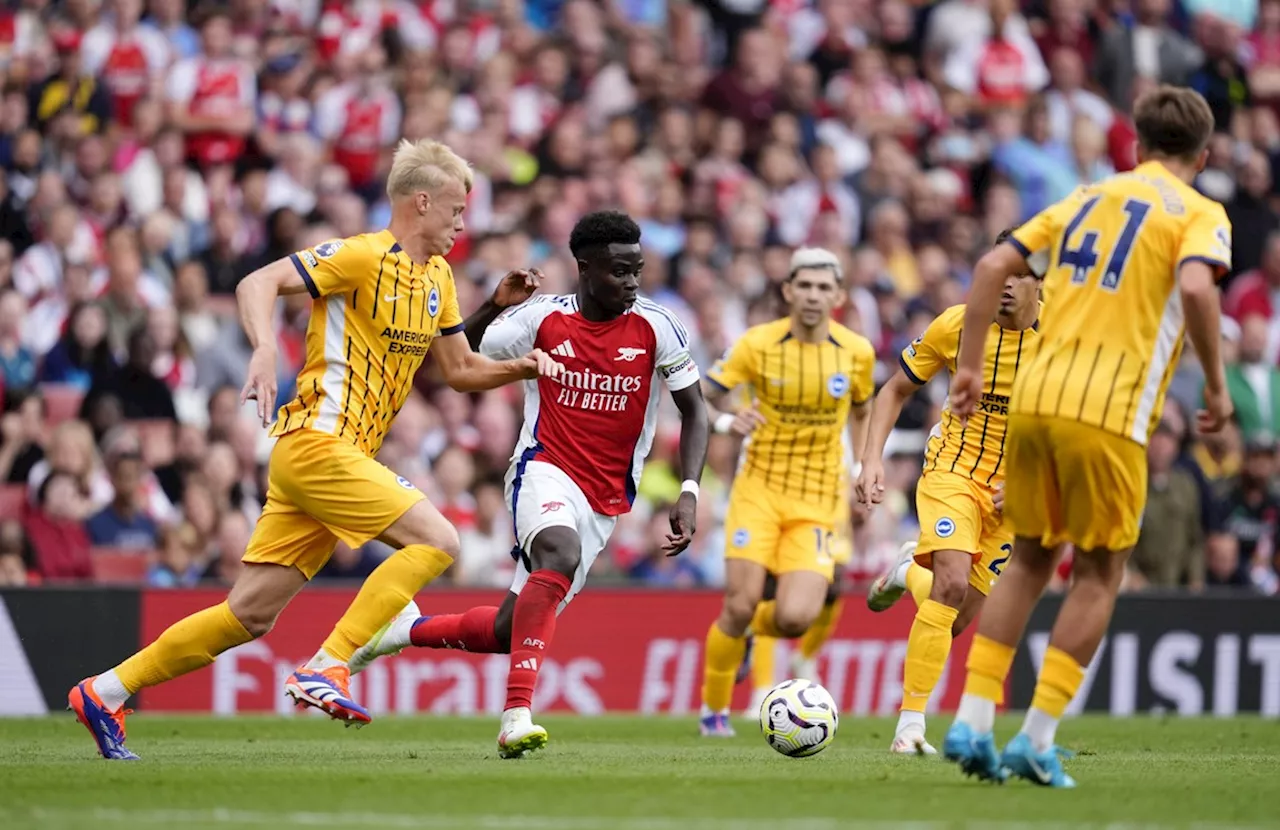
[(324, 660), (108, 687), (978, 712), (1041, 727), (397, 636), (900, 573), (908, 720)]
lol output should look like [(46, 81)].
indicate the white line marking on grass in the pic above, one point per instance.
[(225, 817)]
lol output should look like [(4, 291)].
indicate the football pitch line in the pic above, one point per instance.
[(232, 818)]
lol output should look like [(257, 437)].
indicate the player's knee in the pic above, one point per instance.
[(556, 549), (949, 588), (793, 622), (738, 610), (423, 525)]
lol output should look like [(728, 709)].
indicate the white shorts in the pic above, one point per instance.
[(545, 497)]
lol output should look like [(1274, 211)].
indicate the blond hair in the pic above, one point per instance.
[(425, 165), (815, 258)]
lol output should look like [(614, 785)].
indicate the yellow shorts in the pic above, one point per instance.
[(842, 542), (957, 513), (1072, 482), (321, 489), (780, 533)]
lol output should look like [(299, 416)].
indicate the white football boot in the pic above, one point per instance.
[(892, 584), (519, 735), (392, 638)]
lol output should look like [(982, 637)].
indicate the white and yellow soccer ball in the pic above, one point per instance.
[(798, 718)]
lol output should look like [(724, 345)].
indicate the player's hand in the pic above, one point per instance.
[(260, 383), (1217, 411), (684, 518), (966, 388), (998, 499), (746, 421), (541, 364), (516, 287), (869, 487), (11, 430)]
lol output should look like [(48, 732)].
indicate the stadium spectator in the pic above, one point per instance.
[(125, 523), (1170, 549), (82, 357), (22, 432), (71, 451), (17, 363), (1224, 567), (179, 561), (229, 545), (141, 394), (16, 556), (56, 529), (1254, 382), (1250, 509), (1148, 48)]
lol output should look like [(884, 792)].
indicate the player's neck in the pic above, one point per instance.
[(591, 311), (1178, 168), (414, 247), (805, 334), (1020, 320)]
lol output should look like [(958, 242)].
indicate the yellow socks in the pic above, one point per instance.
[(988, 666), (723, 655), (387, 590), (927, 648), (762, 624), (1060, 678), (763, 658), (189, 644), (919, 583), (818, 634)]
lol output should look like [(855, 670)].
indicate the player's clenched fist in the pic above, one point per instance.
[(966, 388), (870, 484), (541, 364), (746, 421), (516, 287)]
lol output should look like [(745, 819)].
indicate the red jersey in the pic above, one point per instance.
[(596, 422)]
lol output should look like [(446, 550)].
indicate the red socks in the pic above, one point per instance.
[(532, 627), (470, 631)]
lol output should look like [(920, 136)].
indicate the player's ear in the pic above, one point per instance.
[(1202, 160), (842, 296), (423, 202)]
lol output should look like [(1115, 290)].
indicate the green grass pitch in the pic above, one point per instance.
[(617, 773)]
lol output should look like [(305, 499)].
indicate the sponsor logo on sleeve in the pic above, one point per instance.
[(327, 249)]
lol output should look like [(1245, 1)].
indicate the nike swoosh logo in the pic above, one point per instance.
[(1040, 772), (391, 298)]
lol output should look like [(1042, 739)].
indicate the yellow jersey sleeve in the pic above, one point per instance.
[(741, 364), (450, 316), (935, 349), (862, 375), (338, 266), (1207, 239)]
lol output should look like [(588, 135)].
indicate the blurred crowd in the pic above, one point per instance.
[(154, 153)]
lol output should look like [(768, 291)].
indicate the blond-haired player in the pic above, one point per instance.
[(964, 541), (381, 300), (1132, 263), (805, 374)]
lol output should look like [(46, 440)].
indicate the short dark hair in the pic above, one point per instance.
[(1006, 234), (602, 228), (1174, 122)]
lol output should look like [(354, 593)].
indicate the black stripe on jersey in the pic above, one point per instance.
[(315, 403), (395, 303), (813, 433), (1017, 361), (377, 288), (1114, 377), (1044, 376), (1088, 381), (288, 413), (1066, 378), (346, 407), (1137, 382), (942, 445), (986, 420)]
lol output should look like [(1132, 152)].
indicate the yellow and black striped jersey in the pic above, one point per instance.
[(373, 319), (804, 392), (1113, 331), (974, 450)]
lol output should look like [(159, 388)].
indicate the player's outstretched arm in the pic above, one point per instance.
[(989, 276), (694, 432), (256, 297), (514, 289), (1203, 311), (468, 371), (884, 414)]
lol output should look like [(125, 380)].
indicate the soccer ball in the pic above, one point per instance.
[(798, 718)]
